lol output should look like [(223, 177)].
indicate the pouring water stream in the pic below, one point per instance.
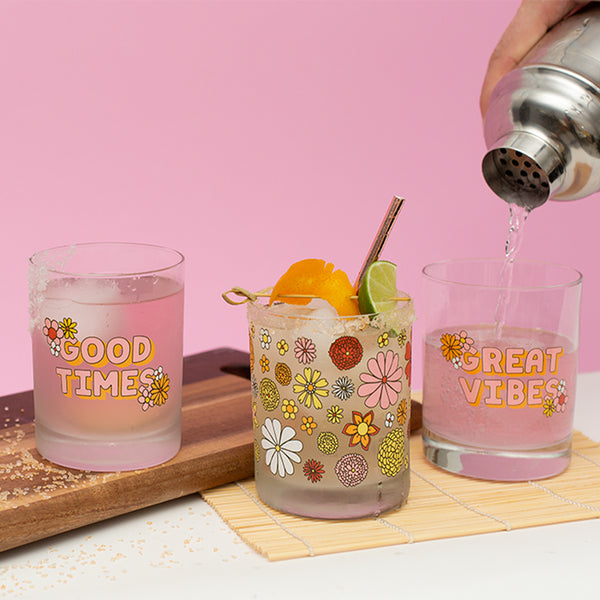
[(518, 217)]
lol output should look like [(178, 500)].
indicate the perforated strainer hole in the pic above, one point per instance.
[(516, 177), (521, 172)]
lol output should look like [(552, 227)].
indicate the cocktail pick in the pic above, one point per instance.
[(247, 296), (381, 237)]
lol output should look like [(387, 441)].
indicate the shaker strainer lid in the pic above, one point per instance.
[(522, 169)]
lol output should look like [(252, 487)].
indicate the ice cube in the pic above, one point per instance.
[(321, 309)]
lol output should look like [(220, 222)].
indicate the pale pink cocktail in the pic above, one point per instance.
[(107, 355), (498, 397)]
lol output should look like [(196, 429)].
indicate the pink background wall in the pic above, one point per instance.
[(252, 134)]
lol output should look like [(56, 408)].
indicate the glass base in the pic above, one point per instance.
[(494, 464), (347, 503), (106, 456)]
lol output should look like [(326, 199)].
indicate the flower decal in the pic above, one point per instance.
[(305, 350), (391, 456), (381, 385), (159, 389), (402, 337), (561, 398), (351, 469), (408, 359), (327, 442), (402, 412), (451, 347), (289, 409), (264, 363), (556, 402), (335, 414), (311, 388), (465, 341), (560, 403), (313, 470), (269, 394), (251, 349), (69, 328), (383, 340), (548, 406), (346, 352), (283, 374), (52, 331), (308, 425), (265, 339), (343, 388), (361, 429), (282, 346), (144, 398), (389, 419), (281, 447)]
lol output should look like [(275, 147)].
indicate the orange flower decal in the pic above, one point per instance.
[(451, 347), (361, 429)]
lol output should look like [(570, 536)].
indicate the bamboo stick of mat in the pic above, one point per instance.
[(440, 505)]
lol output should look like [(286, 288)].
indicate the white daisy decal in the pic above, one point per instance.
[(281, 447), (265, 339)]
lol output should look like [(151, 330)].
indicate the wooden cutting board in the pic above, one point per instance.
[(39, 499)]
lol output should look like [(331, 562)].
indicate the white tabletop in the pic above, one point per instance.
[(183, 547)]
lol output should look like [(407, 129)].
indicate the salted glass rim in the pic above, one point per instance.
[(262, 306), (35, 260), (575, 280)]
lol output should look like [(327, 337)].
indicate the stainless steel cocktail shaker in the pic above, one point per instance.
[(542, 128)]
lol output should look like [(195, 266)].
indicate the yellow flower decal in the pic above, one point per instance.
[(548, 406), (383, 339), (282, 346), (335, 414), (69, 328), (391, 455), (311, 388), (289, 409), (402, 337)]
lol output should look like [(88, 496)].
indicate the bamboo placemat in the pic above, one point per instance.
[(440, 505)]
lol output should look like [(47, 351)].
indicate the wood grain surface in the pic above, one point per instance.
[(39, 499)]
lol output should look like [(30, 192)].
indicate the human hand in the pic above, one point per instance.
[(530, 23)]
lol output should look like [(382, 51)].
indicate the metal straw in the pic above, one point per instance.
[(381, 237)]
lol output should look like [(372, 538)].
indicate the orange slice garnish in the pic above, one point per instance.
[(315, 276)]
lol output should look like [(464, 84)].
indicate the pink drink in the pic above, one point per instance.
[(513, 397), (107, 359)]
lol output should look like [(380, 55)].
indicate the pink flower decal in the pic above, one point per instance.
[(305, 350), (465, 341), (381, 385), (560, 403), (52, 331)]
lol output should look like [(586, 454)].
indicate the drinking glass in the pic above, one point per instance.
[(106, 323), (500, 367), (331, 403)]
